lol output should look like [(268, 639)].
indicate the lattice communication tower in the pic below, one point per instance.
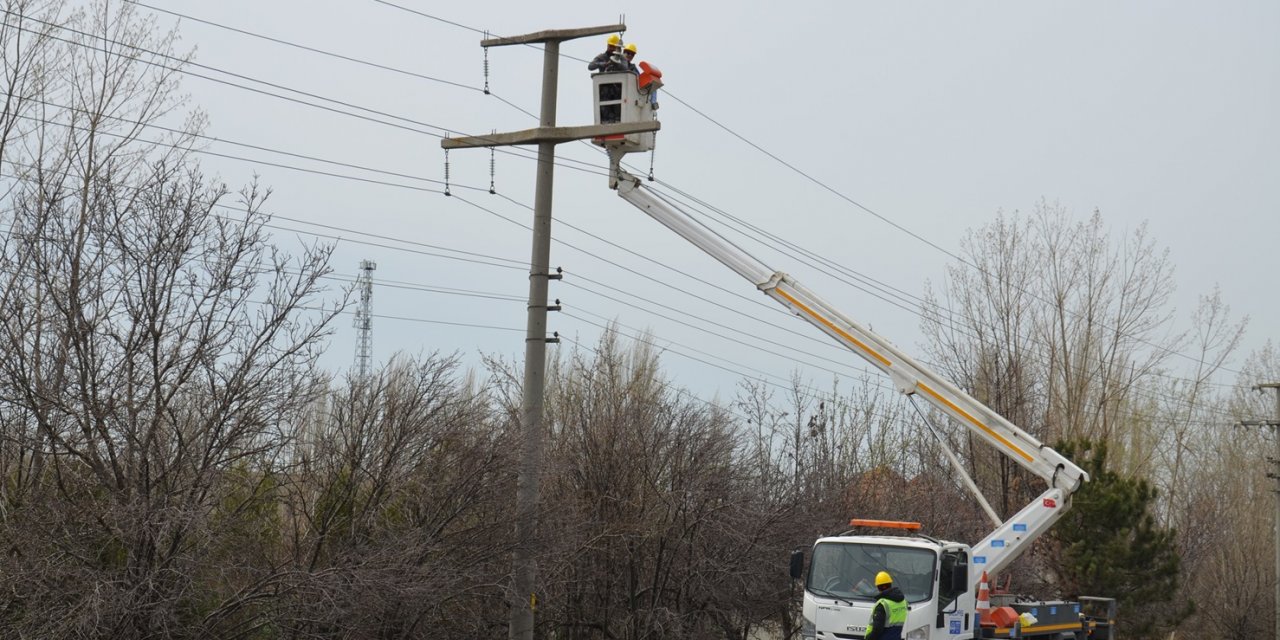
[(364, 319)]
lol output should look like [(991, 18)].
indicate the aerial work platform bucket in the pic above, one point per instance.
[(620, 97)]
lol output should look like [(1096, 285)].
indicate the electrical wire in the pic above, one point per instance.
[(258, 147), (324, 160), (383, 316), (958, 258), (589, 168), (422, 288), (818, 394), (255, 161), (571, 246), (472, 293), (754, 346), (476, 188), (308, 157), (917, 304), (1041, 355), (509, 220), (303, 47), (667, 386), (475, 258)]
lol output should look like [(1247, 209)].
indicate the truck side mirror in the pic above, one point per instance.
[(797, 564)]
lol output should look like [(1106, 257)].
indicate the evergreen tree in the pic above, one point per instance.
[(1112, 546)]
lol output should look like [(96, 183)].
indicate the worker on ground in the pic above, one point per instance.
[(890, 611), (603, 60)]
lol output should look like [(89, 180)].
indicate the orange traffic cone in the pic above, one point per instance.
[(984, 602)]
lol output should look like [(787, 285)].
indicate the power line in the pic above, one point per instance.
[(312, 157), (1152, 394), (303, 47), (648, 277), (478, 206), (360, 61), (304, 93), (785, 384), (425, 288), (473, 293), (666, 385), (598, 257), (707, 362), (866, 378), (790, 250), (794, 252), (421, 288), (473, 259), (427, 15), (877, 284), (446, 131), (383, 316), (756, 346), (836, 192), (201, 136), (874, 381), (913, 234), (841, 195), (192, 149), (668, 267)]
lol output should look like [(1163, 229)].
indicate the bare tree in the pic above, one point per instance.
[(1226, 484), (1054, 325), (653, 529), (393, 519), (1185, 410), (151, 348)]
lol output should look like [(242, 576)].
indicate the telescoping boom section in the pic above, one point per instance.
[(910, 377)]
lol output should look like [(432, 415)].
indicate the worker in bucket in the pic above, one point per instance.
[(603, 60), (646, 74), (890, 611), (629, 54)]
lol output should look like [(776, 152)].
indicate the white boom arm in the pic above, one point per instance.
[(1011, 537)]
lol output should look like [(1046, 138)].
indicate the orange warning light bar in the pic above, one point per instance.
[(885, 524)]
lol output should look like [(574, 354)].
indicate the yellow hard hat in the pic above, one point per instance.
[(883, 578), (631, 46), (614, 40)]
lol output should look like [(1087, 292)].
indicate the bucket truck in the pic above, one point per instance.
[(937, 576)]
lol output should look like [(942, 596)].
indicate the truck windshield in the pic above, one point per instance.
[(848, 570)]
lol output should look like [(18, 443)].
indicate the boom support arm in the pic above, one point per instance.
[(910, 377)]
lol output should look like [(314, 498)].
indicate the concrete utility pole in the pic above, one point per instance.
[(1275, 426), (524, 592)]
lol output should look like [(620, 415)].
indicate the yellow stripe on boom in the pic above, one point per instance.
[(844, 334), (838, 330), (977, 423)]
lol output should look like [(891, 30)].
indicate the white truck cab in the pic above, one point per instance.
[(840, 591)]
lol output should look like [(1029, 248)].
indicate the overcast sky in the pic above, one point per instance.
[(931, 116)]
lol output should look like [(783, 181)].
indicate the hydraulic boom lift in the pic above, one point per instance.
[(933, 573)]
